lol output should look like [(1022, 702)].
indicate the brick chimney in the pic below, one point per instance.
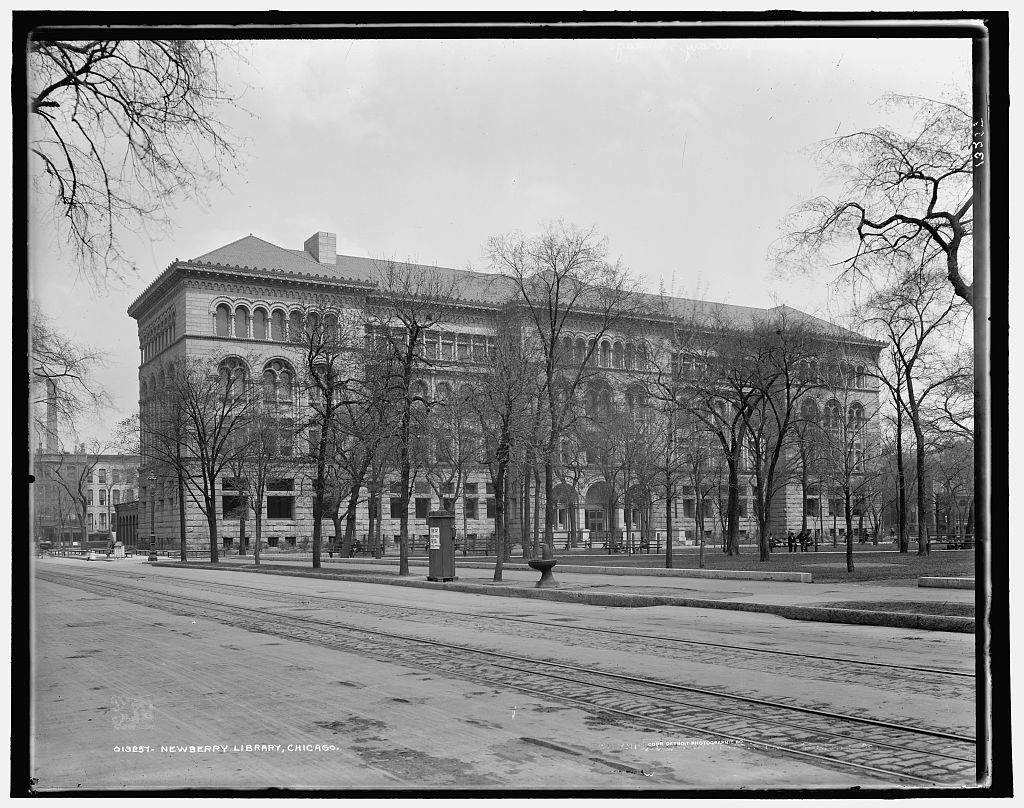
[(322, 246)]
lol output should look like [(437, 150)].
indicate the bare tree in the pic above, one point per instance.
[(194, 426), (906, 195), (502, 394), (564, 281), (121, 130), (72, 474), (62, 378), (330, 339), (914, 313), (851, 447), (781, 351), (409, 301)]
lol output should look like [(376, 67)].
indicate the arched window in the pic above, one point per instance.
[(630, 356), (233, 373), (312, 321), (221, 319), (259, 324), (567, 349), (579, 351), (833, 417), (444, 392), (860, 376), (591, 350), (606, 354), (856, 422), (277, 381), (419, 390), (331, 331), (604, 404), (241, 322), (809, 411), (295, 326), (277, 326), (617, 355)]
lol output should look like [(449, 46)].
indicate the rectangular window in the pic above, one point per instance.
[(490, 508), (811, 506), (471, 489), (395, 487), (229, 484), (280, 507), (464, 340), (271, 541), (115, 475), (90, 496), (396, 507), (103, 496), (837, 506), (117, 497), (103, 476), (489, 488), (421, 487), (422, 507), (232, 506), (447, 347), (471, 509), (228, 541), (448, 504), (103, 521), (289, 540), (689, 508), (281, 485)]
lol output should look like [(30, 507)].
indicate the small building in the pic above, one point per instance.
[(126, 521)]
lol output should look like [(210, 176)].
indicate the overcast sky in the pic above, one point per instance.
[(685, 154)]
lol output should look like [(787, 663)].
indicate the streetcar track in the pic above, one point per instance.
[(967, 675), (588, 695)]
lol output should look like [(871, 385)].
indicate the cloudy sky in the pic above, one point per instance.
[(685, 154)]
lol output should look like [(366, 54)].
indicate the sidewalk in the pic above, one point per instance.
[(801, 601)]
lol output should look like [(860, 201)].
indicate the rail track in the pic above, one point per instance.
[(885, 751), (905, 679)]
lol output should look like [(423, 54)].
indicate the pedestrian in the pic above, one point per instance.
[(791, 541), (803, 541)]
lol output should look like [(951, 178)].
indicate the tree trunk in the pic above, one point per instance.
[(181, 514), (499, 521), (211, 522), (668, 519), (849, 530), (525, 527), (732, 541), (256, 538), (536, 539), (549, 503), (241, 536), (923, 537), (901, 486)]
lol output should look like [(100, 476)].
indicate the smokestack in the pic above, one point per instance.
[(51, 416), (323, 247)]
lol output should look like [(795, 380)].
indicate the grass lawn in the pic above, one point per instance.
[(828, 564)]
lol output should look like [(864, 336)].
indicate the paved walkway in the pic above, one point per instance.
[(805, 601)]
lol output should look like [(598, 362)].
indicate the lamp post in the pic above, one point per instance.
[(152, 517)]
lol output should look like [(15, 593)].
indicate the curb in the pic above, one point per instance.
[(928, 622), (946, 583)]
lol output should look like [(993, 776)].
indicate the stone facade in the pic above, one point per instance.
[(239, 301)]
